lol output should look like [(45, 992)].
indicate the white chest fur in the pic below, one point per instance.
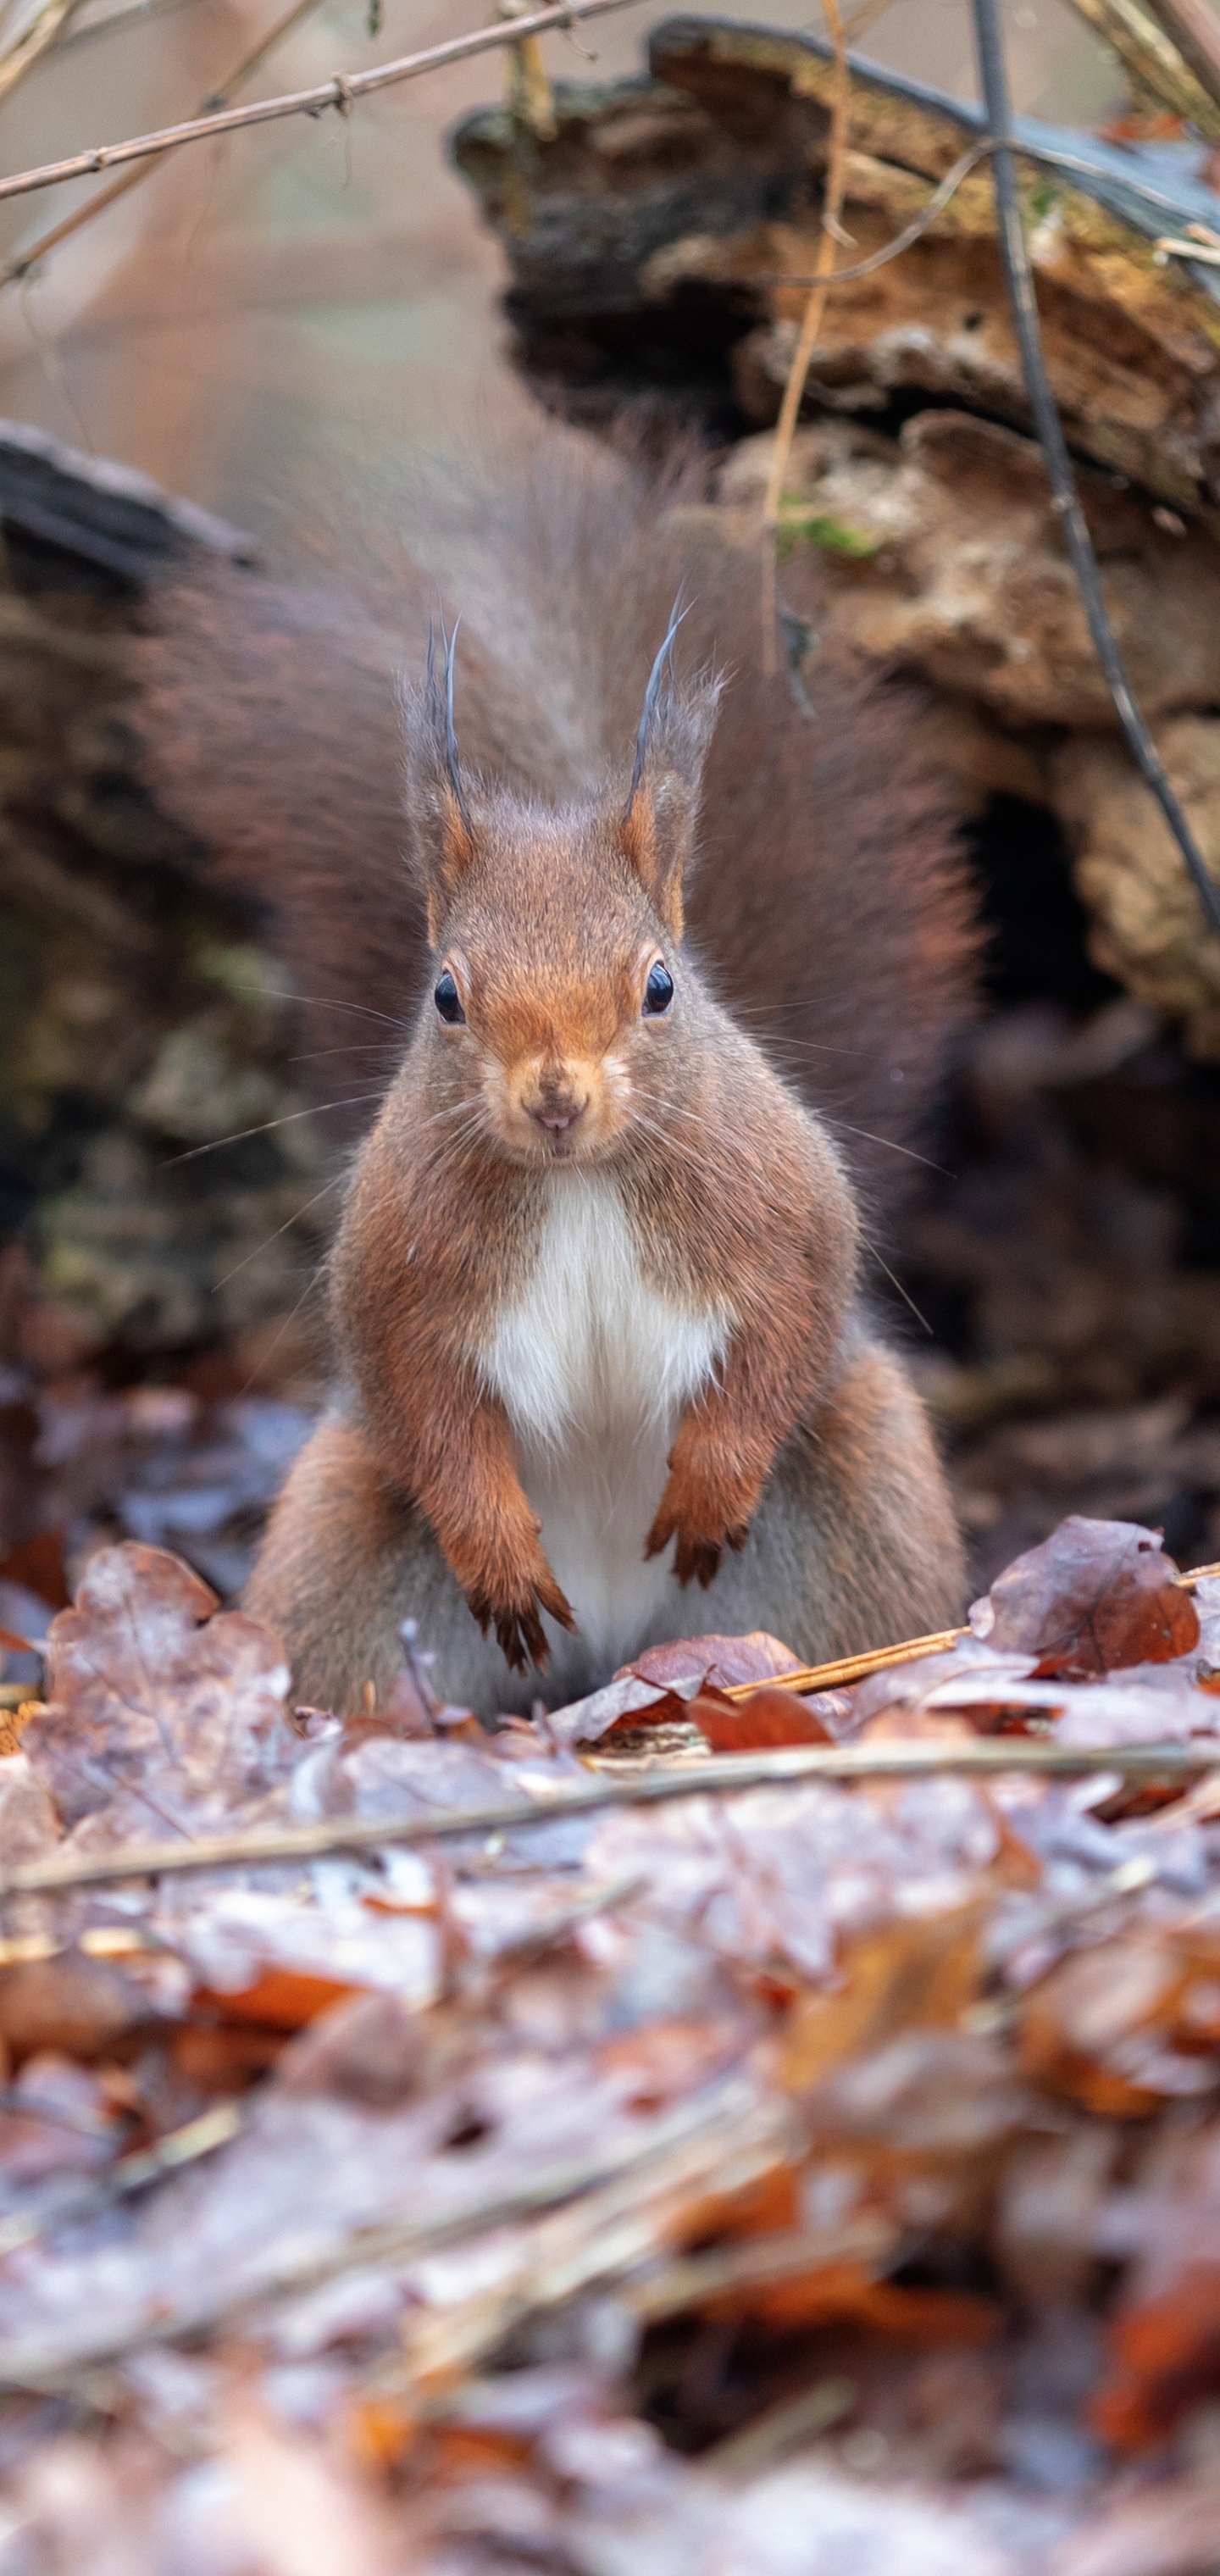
[(594, 1369)]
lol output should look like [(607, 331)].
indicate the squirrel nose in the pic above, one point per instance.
[(546, 1115)]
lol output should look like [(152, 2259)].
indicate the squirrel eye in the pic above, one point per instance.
[(448, 1001), (658, 991)]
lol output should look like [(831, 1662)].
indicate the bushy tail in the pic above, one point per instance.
[(830, 901)]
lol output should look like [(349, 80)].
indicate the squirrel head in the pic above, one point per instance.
[(560, 996)]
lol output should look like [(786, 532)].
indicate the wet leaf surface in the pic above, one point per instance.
[(814, 2177)]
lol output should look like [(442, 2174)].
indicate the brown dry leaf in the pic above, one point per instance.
[(283, 1999), (147, 1686), (721, 1661), (1095, 1596), (916, 1975), (82, 2006), (1126, 2026), (38, 1564), (767, 1718), (1165, 2354)]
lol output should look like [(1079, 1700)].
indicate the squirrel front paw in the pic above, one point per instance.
[(517, 1618), (696, 1516)]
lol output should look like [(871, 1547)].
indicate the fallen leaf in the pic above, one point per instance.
[(911, 1975), (151, 1688), (80, 2006), (768, 1717), (1165, 2354), (718, 1660), (1095, 1596)]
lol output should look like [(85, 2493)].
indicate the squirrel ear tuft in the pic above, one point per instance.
[(657, 826), (443, 841)]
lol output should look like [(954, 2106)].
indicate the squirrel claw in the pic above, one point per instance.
[(697, 1557), (519, 1631), (522, 1640)]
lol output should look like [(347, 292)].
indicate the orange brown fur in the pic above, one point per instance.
[(800, 1484)]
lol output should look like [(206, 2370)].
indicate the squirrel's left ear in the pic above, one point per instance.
[(657, 826), (443, 841)]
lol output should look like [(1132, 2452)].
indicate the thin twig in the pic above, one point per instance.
[(34, 252), (1018, 272), (1131, 31), (849, 1668), (132, 2173), (790, 2425), (807, 338), (1192, 29), (35, 40), (693, 2279), (876, 1659), (727, 2116), (1195, 37), (341, 91), (1172, 1762)]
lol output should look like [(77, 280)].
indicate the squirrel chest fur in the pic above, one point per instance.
[(594, 1367)]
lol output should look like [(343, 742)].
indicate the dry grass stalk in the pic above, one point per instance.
[(832, 211), (36, 38), (1170, 1762), (877, 1659), (724, 2137), (1145, 51)]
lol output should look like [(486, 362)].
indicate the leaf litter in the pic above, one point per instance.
[(820, 2177)]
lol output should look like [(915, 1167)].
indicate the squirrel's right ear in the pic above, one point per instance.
[(657, 826), (443, 839)]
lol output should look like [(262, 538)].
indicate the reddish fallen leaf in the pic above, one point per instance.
[(767, 2206), (1116, 2028), (1166, 2357), (280, 1999), (1097, 1595), (667, 2059), (225, 2059), (847, 2294), (768, 1717)]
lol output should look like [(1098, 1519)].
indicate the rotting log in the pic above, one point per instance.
[(138, 1012), (656, 235), (659, 240)]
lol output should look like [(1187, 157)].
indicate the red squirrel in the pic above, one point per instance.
[(604, 1370)]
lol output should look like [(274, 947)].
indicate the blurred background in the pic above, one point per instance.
[(257, 301)]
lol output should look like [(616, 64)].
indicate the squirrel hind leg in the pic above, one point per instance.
[(334, 1576), (346, 1558)]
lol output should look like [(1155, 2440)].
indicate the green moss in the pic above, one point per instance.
[(799, 523)]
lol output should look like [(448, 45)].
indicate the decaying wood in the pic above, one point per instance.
[(687, 207), (674, 206)]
